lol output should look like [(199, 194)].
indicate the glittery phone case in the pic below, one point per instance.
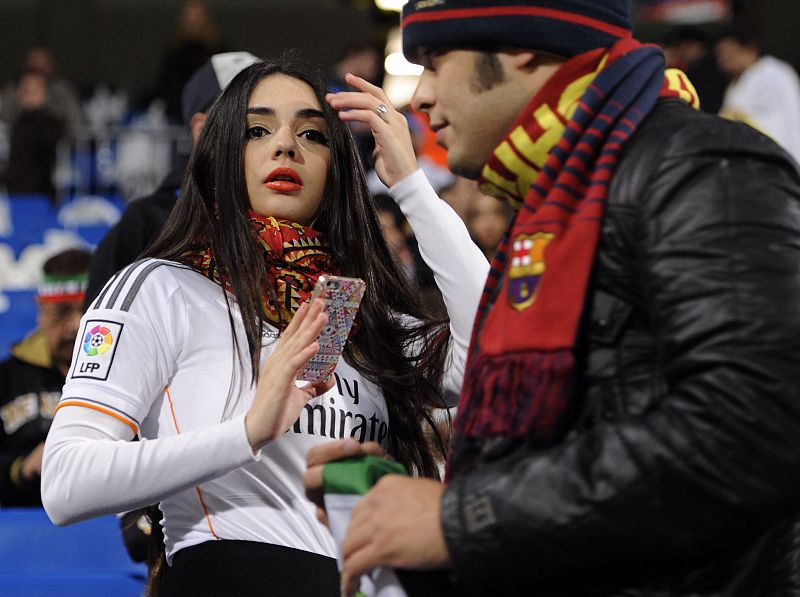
[(341, 296)]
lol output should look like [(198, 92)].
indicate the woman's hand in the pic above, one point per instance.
[(278, 401), (394, 153)]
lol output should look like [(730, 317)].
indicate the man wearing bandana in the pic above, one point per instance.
[(630, 414), (32, 377)]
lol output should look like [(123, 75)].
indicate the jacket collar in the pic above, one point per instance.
[(33, 350)]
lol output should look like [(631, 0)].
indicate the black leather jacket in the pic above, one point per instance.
[(680, 473)]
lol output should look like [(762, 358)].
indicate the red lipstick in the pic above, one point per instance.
[(283, 180)]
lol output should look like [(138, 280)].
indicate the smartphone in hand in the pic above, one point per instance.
[(342, 297)]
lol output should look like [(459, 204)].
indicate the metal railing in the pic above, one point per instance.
[(124, 161)]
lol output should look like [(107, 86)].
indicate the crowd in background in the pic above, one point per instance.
[(102, 152), (56, 144)]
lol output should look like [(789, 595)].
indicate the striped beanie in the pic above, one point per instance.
[(561, 27)]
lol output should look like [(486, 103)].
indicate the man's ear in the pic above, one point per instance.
[(528, 61), (523, 59), (530, 69), (197, 123)]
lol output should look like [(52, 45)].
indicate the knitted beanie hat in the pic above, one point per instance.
[(208, 81), (561, 27)]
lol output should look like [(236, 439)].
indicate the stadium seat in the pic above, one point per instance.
[(7, 265), (17, 317), (87, 558), (31, 215)]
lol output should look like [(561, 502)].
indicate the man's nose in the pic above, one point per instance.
[(423, 98)]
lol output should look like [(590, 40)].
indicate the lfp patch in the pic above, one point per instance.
[(99, 340), (527, 267)]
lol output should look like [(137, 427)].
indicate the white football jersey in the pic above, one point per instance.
[(156, 351), (156, 356)]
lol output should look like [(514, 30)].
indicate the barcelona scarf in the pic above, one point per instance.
[(554, 167), (295, 257)]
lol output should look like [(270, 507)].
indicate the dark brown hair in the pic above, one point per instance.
[(488, 71), (68, 263)]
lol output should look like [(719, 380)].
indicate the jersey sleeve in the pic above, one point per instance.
[(130, 342), (458, 265), (89, 469), (127, 344)]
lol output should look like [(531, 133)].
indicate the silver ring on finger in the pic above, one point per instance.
[(382, 111)]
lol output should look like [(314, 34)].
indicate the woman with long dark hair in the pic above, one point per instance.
[(196, 347)]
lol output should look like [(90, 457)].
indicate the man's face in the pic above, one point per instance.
[(32, 91), (469, 117), (734, 58), (59, 322)]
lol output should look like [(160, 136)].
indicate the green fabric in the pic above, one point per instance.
[(79, 278), (357, 475), (58, 285)]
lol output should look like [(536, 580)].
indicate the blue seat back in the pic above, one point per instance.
[(17, 317), (87, 558)]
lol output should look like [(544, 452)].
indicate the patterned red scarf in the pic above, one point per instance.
[(555, 168), (295, 256)]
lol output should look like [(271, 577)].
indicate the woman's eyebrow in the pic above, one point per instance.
[(309, 113), (302, 113), (263, 111)]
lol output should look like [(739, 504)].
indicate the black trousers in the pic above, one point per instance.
[(245, 568)]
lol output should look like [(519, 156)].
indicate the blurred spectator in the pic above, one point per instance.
[(363, 60), (487, 219), (32, 377), (403, 245), (143, 218), (62, 99), (396, 232), (106, 107), (33, 140), (195, 40), (460, 194), (690, 50), (764, 91)]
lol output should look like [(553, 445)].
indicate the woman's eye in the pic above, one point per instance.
[(256, 132), (314, 136)]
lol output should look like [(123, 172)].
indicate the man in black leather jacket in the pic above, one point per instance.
[(677, 469)]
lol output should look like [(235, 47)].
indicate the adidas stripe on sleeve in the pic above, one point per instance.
[(127, 343)]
